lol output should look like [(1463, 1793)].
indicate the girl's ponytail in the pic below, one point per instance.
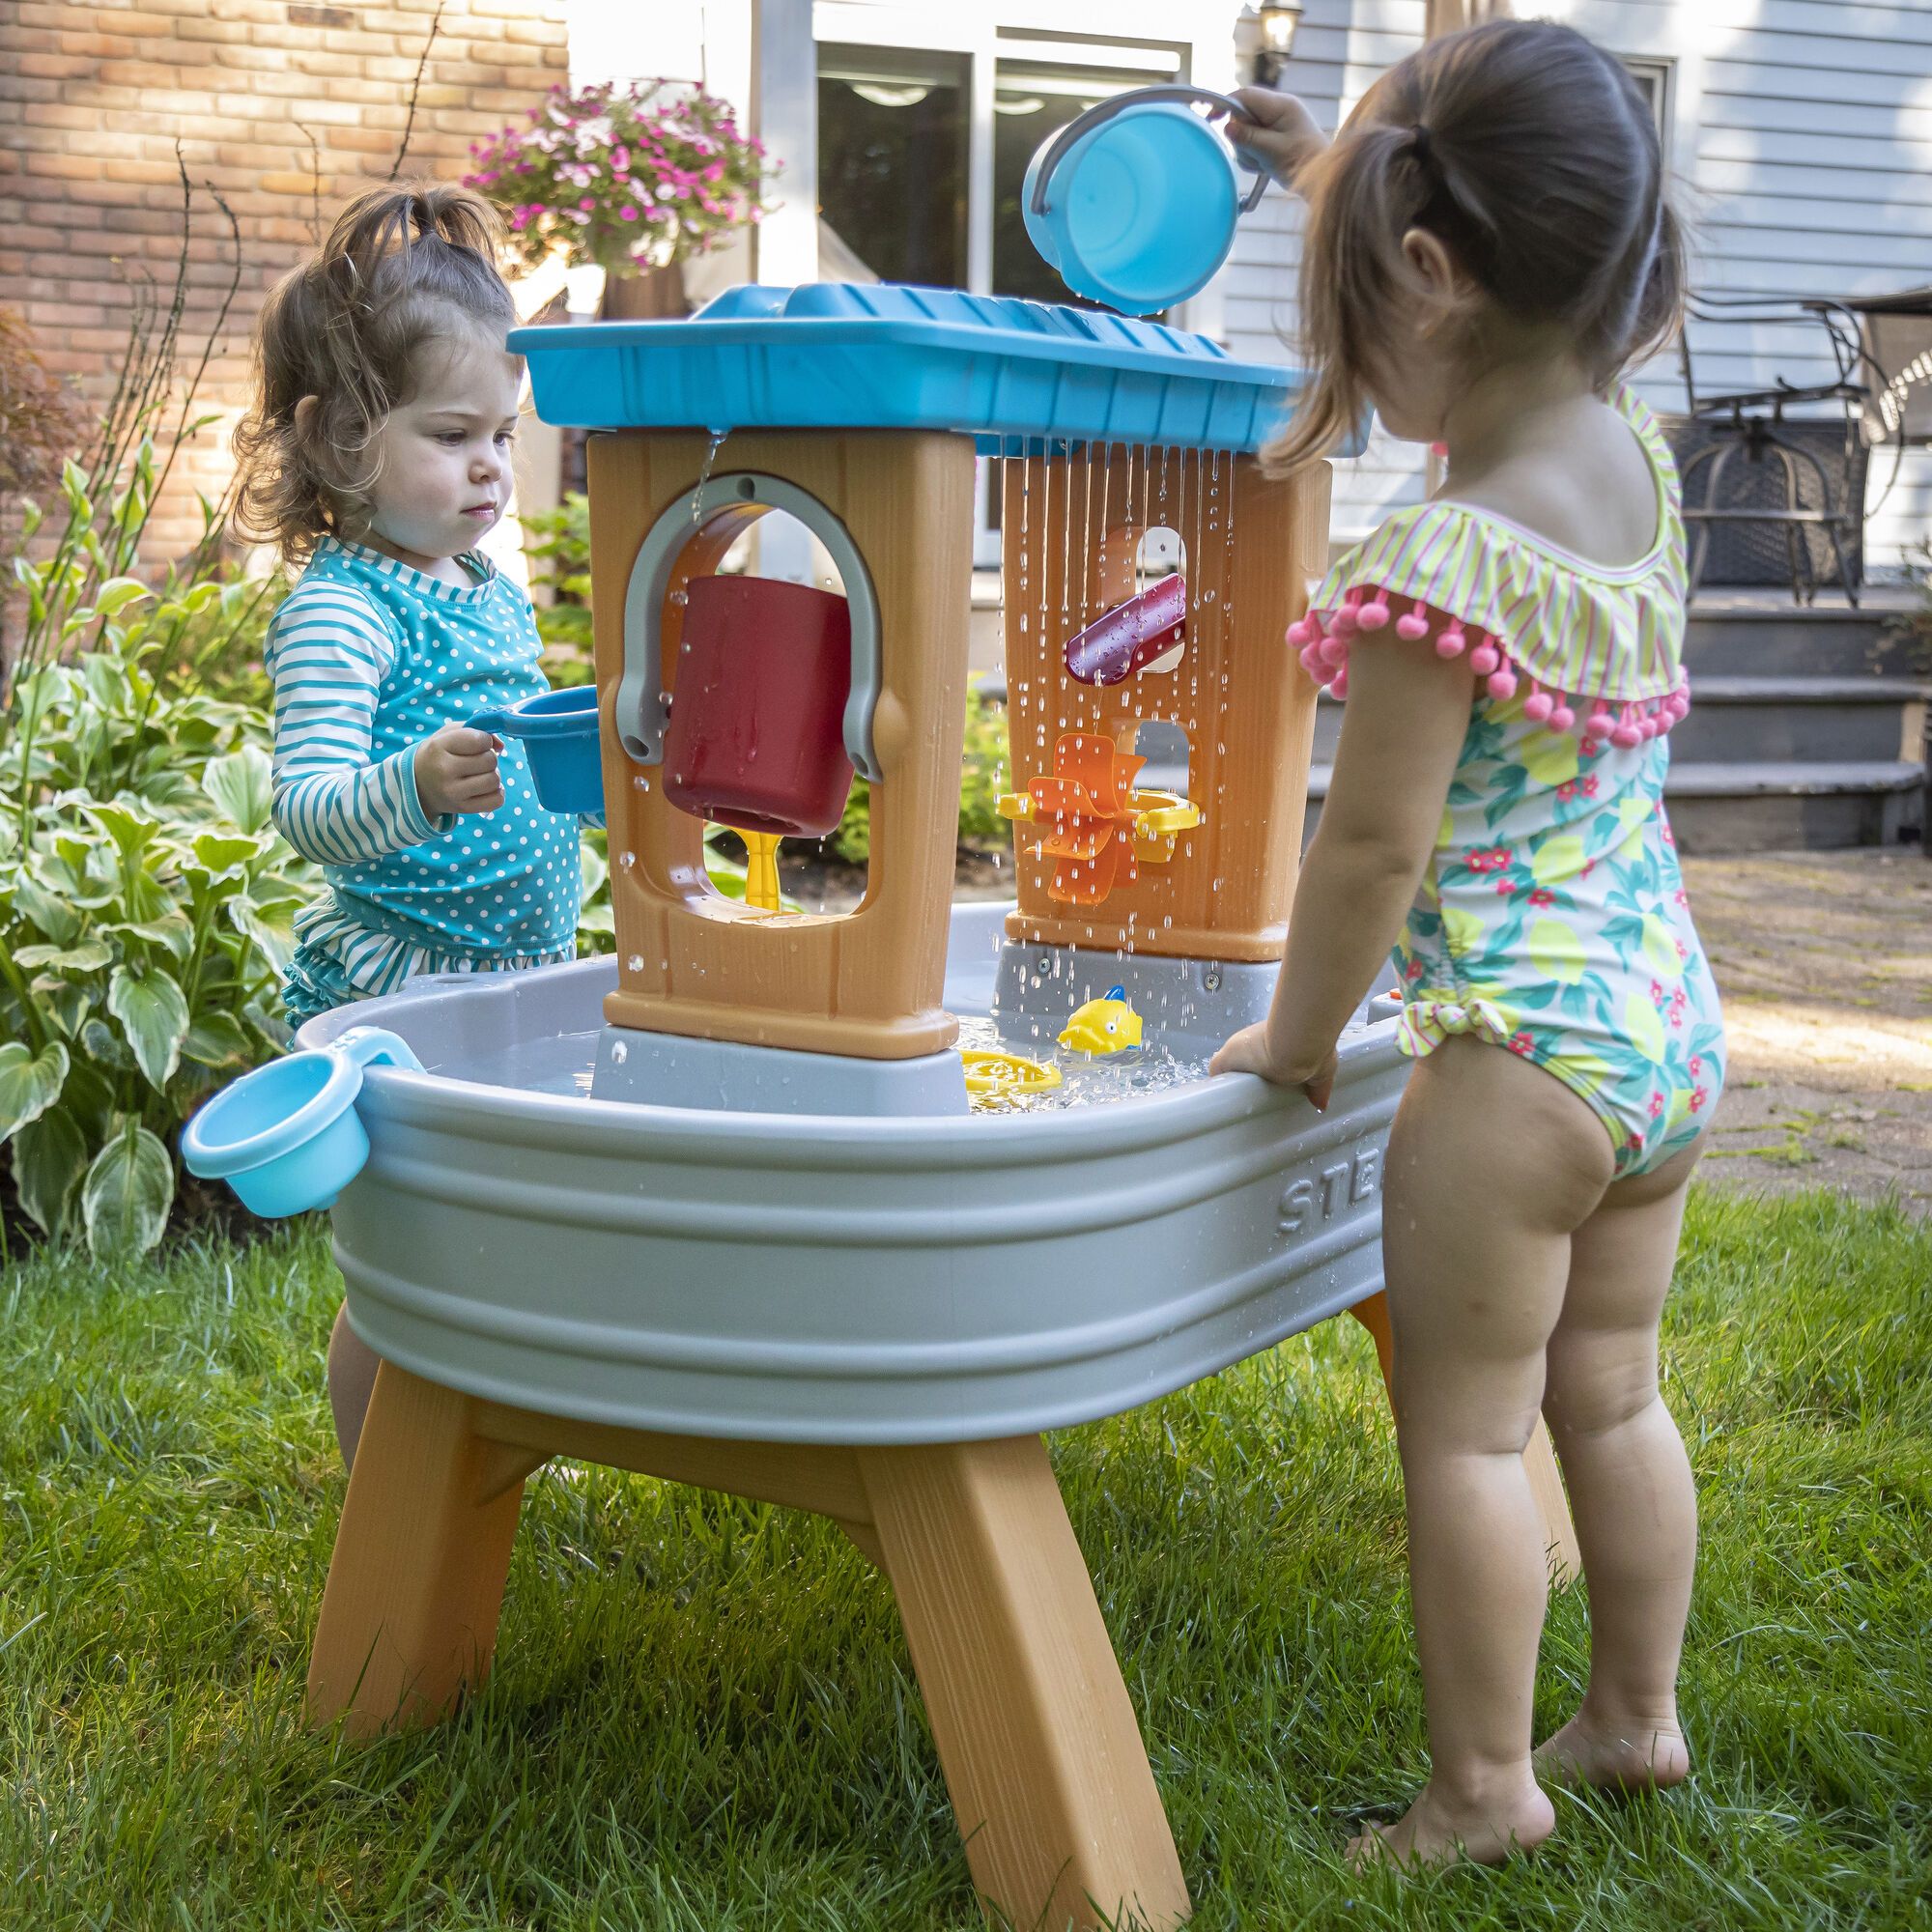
[(1532, 156), (1363, 192), (401, 267)]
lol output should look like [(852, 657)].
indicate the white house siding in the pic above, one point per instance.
[(1801, 134)]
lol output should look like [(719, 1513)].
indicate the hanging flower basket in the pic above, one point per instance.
[(627, 179)]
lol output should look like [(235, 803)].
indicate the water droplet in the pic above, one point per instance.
[(627, 860)]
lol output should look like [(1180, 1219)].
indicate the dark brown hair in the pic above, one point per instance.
[(1532, 155), (401, 268)]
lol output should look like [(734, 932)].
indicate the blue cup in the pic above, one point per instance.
[(285, 1137), (559, 730), (1135, 202)]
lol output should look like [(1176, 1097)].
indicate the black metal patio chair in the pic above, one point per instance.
[(1803, 448)]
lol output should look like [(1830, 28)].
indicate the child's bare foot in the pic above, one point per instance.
[(1438, 1830), (1618, 1754)]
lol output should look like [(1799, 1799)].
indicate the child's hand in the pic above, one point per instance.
[(456, 771), (1277, 129), (1249, 1052)]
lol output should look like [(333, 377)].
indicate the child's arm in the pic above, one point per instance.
[(1401, 734), (330, 655)]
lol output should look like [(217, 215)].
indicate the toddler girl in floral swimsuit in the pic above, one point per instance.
[(1488, 247)]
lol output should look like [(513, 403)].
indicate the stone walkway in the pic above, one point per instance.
[(1824, 962)]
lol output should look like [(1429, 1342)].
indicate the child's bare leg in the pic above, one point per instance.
[(351, 1380), (1492, 1164), (1629, 1484)]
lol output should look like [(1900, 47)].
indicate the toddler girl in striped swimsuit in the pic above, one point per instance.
[(1488, 247), (378, 454)]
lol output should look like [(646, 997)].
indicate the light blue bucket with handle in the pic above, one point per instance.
[(285, 1137), (1135, 202), (559, 730)]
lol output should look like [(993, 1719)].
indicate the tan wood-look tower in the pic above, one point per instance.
[(1070, 528), (692, 961)]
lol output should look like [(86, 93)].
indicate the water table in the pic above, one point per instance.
[(721, 1209)]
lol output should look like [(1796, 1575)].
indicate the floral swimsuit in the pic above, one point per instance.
[(1552, 918)]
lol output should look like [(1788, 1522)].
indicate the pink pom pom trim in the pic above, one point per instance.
[(1411, 625), (1450, 641), (1334, 650), (1373, 615), (1538, 705), (1484, 658), (1301, 631), (1502, 683)]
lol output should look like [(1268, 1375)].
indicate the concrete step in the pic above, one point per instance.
[(1772, 806), (1783, 720), (1749, 637)]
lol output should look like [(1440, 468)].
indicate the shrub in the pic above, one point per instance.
[(41, 418), (146, 909), (558, 544), (982, 777)]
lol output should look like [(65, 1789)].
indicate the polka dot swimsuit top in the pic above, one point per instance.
[(370, 658)]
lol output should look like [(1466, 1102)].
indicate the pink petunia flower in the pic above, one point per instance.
[(1542, 896), (1656, 1105), (1520, 1043), (1698, 1096)]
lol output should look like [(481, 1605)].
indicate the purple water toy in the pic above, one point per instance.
[(1130, 636)]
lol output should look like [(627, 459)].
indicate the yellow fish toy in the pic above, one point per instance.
[(1106, 1025)]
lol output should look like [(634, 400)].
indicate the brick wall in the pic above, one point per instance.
[(93, 95)]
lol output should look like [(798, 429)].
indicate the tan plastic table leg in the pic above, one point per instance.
[(408, 1617), (1044, 1758)]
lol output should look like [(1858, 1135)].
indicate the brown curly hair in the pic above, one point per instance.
[(1531, 155), (402, 267)]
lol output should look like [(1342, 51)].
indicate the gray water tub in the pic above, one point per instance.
[(823, 1278)]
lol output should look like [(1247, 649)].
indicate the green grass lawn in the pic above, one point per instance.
[(702, 1714)]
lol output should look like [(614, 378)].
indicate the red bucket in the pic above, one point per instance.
[(757, 710)]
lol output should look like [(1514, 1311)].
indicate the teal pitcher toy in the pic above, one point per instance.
[(286, 1137), (1135, 202), (559, 730)]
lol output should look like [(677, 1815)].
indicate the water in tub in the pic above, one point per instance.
[(562, 1063)]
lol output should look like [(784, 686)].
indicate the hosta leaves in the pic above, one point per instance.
[(220, 852), (241, 784), (171, 930), (49, 1156), (131, 832), (30, 1082), (271, 926), (152, 1012), (104, 1047), (215, 1038), (125, 1197), (59, 921), (89, 957), (117, 594)]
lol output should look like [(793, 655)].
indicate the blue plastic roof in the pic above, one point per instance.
[(1015, 375)]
